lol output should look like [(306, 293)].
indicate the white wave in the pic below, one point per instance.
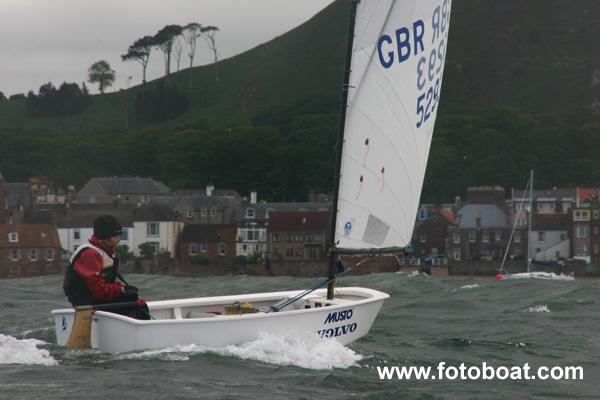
[(24, 351), (473, 286), (308, 351), (538, 308)]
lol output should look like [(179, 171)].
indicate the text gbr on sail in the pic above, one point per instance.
[(410, 41)]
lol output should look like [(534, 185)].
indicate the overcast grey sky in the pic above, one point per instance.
[(57, 40)]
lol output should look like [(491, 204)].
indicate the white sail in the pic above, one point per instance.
[(397, 66)]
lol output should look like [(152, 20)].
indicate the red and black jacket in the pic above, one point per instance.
[(91, 275)]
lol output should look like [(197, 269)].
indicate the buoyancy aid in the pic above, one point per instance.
[(75, 287)]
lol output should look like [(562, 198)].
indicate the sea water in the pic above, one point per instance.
[(426, 321)]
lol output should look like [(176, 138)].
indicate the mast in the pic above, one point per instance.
[(529, 222), (340, 145)]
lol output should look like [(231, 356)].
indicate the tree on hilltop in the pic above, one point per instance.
[(209, 33), (191, 33), (101, 73), (139, 51), (164, 40)]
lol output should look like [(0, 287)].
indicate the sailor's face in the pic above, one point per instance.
[(113, 242)]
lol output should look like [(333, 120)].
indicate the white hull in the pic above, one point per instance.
[(537, 275), (193, 321)]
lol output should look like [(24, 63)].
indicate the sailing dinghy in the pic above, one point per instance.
[(395, 63), (503, 275)]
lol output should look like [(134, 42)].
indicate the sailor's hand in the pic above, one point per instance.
[(130, 289)]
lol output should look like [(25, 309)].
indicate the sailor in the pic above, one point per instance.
[(91, 276)]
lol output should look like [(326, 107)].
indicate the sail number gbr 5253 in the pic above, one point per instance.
[(408, 42)]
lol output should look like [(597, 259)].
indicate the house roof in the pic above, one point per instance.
[(559, 194), (197, 201), (448, 215), (490, 215), (299, 221), (208, 233), (262, 211), (588, 195), (550, 222), (230, 193), (17, 194), (132, 185), (84, 215), (155, 212), (29, 235)]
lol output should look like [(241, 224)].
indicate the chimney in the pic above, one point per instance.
[(253, 197), (209, 189)]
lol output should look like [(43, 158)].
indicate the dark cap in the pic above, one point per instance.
[(106, 226)]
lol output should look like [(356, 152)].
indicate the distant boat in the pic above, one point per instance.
[(528, 274), (392, 85)]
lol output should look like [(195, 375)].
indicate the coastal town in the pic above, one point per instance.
[(219, 231)]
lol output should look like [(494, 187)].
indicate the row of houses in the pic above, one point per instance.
[(196, 227), (565, 224), (42, 225)]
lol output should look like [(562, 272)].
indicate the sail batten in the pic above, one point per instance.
[(398, 53)]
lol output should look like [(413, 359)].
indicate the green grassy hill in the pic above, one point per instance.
[(519, 85), (303, 63)]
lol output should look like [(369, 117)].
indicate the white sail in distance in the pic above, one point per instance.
[(397, 64)]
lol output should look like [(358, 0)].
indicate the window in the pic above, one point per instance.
[(92, 199), (517, 251), (125, 234), (596, 248), (456, 254), (298, 252), (289, 252), (581, 231), (49, 254), (563, 237), (15, 254), (244, 247), (581, 250), (153, 229), (485, 235), (582, 215), (213, 212), (192, 249), (318, 237), (222, 249), (517, 237), (190, 213), (13, 237), (76, 234), (456, 237), (313, 254), (203, 211), (472, 236), (203, 247), (541, 236), (596, 230), (253, 234), (423, 237), (33, 254), (275, 237), (250, 213), (498, 236)]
